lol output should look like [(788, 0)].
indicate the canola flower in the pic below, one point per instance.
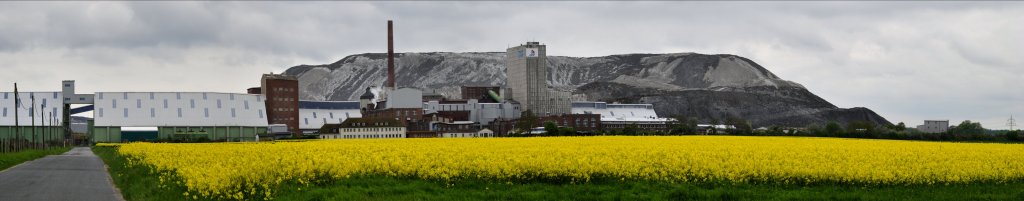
[(254, 170)]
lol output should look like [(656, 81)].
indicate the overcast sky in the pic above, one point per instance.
[(908, 61)]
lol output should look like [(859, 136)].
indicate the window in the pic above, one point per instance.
[(151, 96), (314, 115), (192, 103), (5, 95), (165, 103), (101, 96), (261, 114), (101, 112), (178, 95), (204, 95), (152, 112), (114, 103), (81, 98), (232, 112), (332, 115), (5, 109), (232, 96), (247, 105), (54, 95), (179, 112), (126, 112), (218, 103), (138, 103), (206, 112), (306, 120), (125, 95)]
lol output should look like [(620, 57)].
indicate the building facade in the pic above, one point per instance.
[(614, 116), (282, 93), (363, 128), (22, 121), (178, 115), (316, 114), (527, 80), (481, 93), (934, 126)]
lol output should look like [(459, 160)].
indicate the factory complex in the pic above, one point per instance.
[(274, 110)]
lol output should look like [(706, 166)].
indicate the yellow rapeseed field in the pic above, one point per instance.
[(250, 170)]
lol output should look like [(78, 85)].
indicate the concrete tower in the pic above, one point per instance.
[(527, 72)]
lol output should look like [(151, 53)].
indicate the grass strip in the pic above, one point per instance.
[(11, 159)]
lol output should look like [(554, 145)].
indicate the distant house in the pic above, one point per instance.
[(361, 128), (934, 126)]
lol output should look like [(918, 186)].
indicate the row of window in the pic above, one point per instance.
[(191, 102), (31, 112), (362, 136), (331, 114), (152, 112), (10, 94), (453, 135), (374, 129), (152, 95), (284, 109), (284, 99), (283, 89)]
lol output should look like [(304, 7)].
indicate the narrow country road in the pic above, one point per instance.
[(76, 175)]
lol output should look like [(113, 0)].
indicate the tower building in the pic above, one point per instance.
[(527, 72)]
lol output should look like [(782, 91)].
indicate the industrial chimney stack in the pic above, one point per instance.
[(391, 58)]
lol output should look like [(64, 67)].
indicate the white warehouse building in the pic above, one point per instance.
[(616, 116), (27, 114), (315, 114), (178, 115), (483, 113)]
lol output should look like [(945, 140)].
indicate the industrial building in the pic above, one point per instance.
[(618, 116), (178, 115), (934, 126), (35, 123), (316, 114), (475, 111), (282, 92), (527, 71), (361, 128)]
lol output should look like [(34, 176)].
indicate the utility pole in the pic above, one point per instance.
[(17, 126), (31, 111)]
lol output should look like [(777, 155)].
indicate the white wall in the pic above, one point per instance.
[(405, 98), (315, 118), (54, 105), (148, 109)]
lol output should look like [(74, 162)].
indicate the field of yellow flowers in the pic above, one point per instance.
[(247, 170)]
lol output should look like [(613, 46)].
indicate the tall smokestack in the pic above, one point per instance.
[(391, 57)]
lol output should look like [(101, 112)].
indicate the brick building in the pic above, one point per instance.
[(282, 94), (479, 93)]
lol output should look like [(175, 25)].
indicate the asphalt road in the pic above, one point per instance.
[(76, 175)]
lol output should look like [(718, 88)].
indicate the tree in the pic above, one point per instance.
[(1014, 135), (550, 128), (742, 126), (833, 129), (631, 129), (567, 131), (967, 127), (683, 126), (526, 121)]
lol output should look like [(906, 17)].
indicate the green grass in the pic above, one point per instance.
[(137, 184), (8, 160)]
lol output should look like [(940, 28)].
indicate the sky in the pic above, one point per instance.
[(907, 61)]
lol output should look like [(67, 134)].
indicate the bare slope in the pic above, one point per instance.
[(695, 85)]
